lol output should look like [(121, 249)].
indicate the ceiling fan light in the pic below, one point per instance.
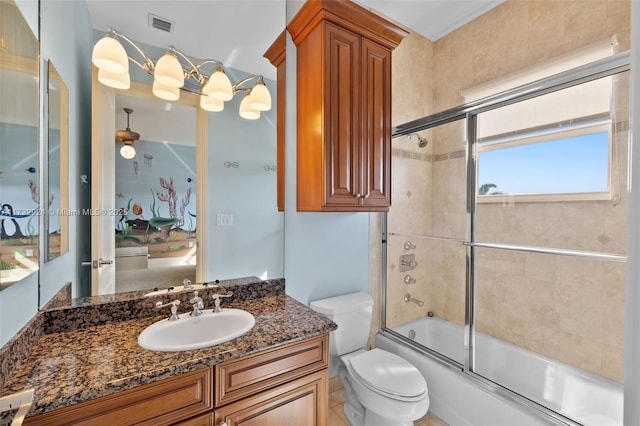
[(260, 98), (165, 92), (117, 81), (246, 111), (127, 151), (109, 55), (209, 104), (219, 87), (168, 71)]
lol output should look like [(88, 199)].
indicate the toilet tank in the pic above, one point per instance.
[(352, 313)]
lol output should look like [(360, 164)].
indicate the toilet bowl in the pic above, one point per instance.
[(388, 389), (381, 388)]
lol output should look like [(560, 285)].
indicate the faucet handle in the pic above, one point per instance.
[(174, 308), (216, 300)]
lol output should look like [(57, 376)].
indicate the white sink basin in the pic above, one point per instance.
[(186, 333)]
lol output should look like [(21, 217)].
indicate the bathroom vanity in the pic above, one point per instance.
[(98, 374)]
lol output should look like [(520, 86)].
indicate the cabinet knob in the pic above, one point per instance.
[(222, 424), (358, 195)]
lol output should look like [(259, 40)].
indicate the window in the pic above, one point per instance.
[(551, 147), (571, 163)]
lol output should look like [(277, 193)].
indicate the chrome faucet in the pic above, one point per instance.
[(174, 308), (216, 300), (186, 285), (197, 304)]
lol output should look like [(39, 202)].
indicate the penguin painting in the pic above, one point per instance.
[(12, 223)]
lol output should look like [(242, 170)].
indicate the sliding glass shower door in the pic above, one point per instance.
[(506, 241)]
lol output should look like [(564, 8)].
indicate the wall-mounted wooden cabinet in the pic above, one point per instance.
[(343, 106)]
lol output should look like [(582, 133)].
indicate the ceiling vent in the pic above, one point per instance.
[(160, 23)]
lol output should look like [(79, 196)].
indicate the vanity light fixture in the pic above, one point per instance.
[(128, 137), (170, 76)]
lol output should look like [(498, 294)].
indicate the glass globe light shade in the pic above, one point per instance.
[(218, 86), (260, 98), (168, 71), (209, 104), (117, 81), (109, 55), (128, 152), (246, 111), (165, 92)]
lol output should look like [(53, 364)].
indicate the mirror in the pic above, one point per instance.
[(19, 147), (57, 219), (245, 230), (155, 191)]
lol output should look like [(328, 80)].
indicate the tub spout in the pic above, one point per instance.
[(408, 298)]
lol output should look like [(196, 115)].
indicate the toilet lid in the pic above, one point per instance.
[(388, 373)]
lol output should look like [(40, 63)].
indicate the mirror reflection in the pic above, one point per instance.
[(155, 193), (57, 139), (19, 174)]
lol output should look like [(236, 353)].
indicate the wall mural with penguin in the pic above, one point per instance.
[(19, 201), (155, 196)]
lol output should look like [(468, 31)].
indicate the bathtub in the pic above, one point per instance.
[(459, 400)]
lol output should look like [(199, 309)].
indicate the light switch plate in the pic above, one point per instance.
[(224, 219)]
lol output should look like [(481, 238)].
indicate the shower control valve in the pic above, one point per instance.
[(408, 279), (408, 245)]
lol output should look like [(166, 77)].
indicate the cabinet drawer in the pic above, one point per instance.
[(239, 378), (164, 402), (302, 402)]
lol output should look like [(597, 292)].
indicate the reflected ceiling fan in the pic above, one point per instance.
[(127, 137)]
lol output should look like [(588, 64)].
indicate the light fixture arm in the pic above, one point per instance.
[(236, 87), (194, 69)]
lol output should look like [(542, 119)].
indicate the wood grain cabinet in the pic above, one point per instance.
[(165, 402), (343, 106), (298, 403), (287, 385)]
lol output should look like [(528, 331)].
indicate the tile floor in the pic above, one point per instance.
[(336, 412)]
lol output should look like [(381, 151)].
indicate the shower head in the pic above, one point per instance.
[(422, 142)]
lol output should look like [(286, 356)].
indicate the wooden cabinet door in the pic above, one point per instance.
[(375, 148), (302, 402), (342, 117)]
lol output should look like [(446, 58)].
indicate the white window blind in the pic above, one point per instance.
[(566, 106)]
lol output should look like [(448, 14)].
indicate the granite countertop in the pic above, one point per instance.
[(78, 365)]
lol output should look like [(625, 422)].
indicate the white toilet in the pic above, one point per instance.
[(382, 389)]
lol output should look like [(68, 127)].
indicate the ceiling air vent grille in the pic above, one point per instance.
[(160, 23)]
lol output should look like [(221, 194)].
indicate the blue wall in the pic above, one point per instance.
[(253, 245), (326, 254)]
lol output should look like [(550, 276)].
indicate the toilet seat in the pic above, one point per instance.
[(388, 374)]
